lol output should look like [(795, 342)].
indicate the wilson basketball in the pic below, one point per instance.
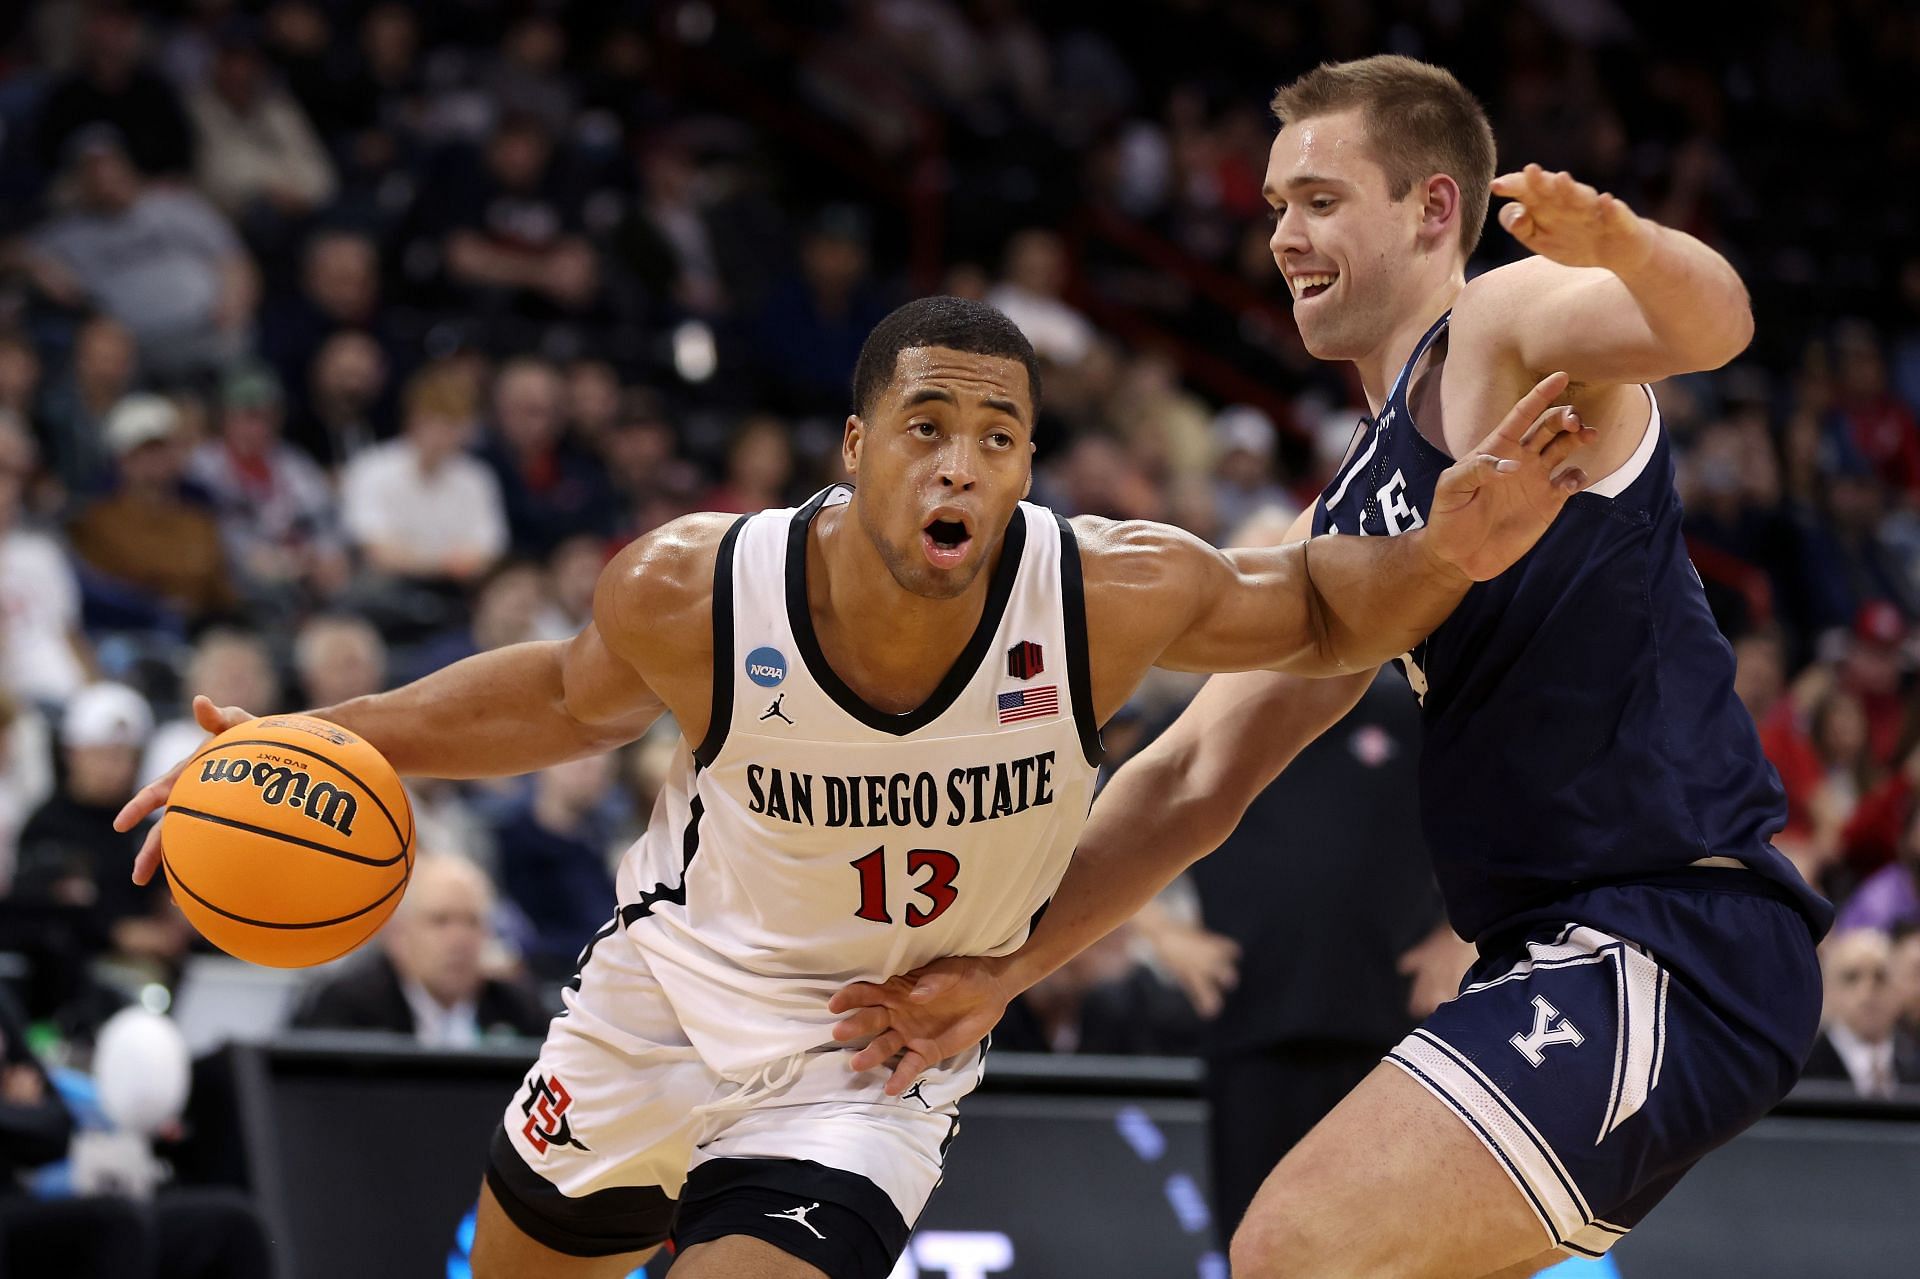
[(287, 841)]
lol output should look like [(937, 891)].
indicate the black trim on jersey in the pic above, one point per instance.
[(676, 893), (958, 676), (852, 1229), (605, 1223), (580, 964), (722, 712), (1073, 614)]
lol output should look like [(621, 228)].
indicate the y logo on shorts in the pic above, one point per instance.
[(546, 1109), (799, 1215), (1545, 1033)]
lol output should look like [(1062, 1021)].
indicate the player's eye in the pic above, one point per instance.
[(1000, 440), (1321, 203), (925, 430)]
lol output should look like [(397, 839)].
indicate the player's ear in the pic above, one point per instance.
[(850, 443), (1440, 210)]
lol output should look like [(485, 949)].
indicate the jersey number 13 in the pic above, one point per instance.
[(938, 889)]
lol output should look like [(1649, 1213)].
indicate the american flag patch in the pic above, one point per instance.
[(1029, 703)]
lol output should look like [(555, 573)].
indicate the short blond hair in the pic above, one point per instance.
[(1420, 121), (442, 391)]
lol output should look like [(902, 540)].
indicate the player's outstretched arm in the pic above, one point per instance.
[(1335, 605), (1168, 807), (529, 706), (1610, 297)]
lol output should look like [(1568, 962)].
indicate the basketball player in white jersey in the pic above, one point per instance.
[(889, 699)]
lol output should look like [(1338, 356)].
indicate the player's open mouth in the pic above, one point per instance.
[(945, 541), (1310, 286)]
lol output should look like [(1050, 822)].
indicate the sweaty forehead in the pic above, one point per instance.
[(964, 375), (1324, 147)]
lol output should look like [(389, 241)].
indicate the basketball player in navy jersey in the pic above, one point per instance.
[(942, 653), (1593, 793)]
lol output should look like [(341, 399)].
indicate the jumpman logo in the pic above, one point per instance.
[(771, 712), (799, 1215), (915, 1093)]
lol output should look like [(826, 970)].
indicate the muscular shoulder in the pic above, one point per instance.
[(656, 595), (1141, 577)]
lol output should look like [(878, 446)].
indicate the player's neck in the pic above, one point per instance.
[(1382, 365), (882, 629)]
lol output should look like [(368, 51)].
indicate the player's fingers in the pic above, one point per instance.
[(1515, 219), (930, 986), (148, 859), (1514, 426), (859, 994), (1545, 428), (913, 1063), (881, 1051), (145, 800), (1571, 480), (1566, 443), (862, 1024)]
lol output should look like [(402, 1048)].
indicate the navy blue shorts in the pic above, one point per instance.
[(1600, 1047)]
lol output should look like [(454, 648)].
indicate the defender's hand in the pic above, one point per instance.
[(153, 796), (1564, 219), (1491, 506), (922, 1017)]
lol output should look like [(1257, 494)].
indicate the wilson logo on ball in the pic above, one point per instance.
[(322, 801)]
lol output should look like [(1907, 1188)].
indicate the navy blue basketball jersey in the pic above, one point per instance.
[(1580, 722)]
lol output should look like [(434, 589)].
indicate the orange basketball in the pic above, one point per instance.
[(287, 841)]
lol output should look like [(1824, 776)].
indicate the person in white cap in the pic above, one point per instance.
[(146, 535), (69, 851)]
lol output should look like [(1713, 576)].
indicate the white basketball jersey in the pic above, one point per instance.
[(812, 840)]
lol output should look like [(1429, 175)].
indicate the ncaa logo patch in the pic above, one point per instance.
[(766, 667)]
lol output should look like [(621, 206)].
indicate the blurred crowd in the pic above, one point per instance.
[(343, 339)]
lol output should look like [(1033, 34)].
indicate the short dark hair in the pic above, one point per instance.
[(959, 324)]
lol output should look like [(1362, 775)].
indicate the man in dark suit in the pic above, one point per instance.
[(1862, 1042), (427, 978)]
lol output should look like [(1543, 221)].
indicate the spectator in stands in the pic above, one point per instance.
[(1903, 972), (233, 668), (343, 410), (25, 777), (1101, 1001), (259, 158), (512, 238), (1868, 418), (147, 536), (593, 401), (813, 324), (424, 514), (19, 376), (551, 489), (112, 84), (69, 851), (338, 657), (759, 467), (1244, 485), (668, 245), (553, 861), (428, 978), (573, 573), (99, 376), (1861, 1041), (46, 656), (1890, 897), (652, 482), (338, 290), (1031, 294), (275, 506), (158, 259)]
